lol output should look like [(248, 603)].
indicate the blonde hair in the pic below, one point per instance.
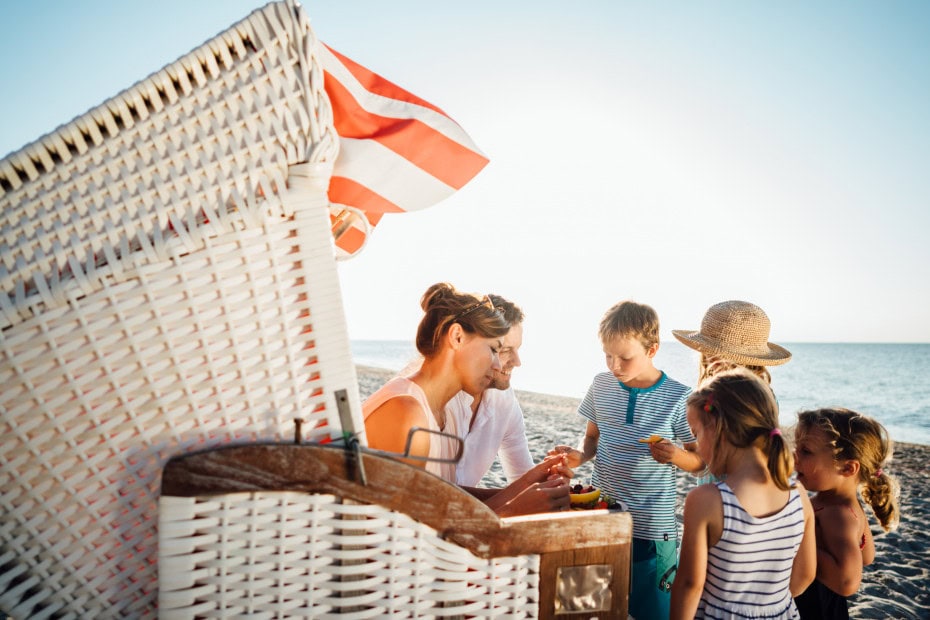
[(443, 305), (855, 437), (628, 319), (711, 365), (742, 410)]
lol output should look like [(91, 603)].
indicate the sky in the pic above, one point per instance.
[(674, 153)]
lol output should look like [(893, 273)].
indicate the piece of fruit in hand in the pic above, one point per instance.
[(650, 439)]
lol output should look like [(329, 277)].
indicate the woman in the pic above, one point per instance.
[(459, 337)]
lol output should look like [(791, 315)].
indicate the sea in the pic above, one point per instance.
[(889, 382)]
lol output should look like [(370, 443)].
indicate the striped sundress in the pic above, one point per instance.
[(749, 569)]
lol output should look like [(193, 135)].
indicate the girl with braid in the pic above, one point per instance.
[(839, 455)]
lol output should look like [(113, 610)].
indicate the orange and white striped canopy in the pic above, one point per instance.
[(397, 152)]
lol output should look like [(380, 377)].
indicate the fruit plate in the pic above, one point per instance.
[(584, 496)]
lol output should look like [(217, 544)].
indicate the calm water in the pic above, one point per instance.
[(890, 382)]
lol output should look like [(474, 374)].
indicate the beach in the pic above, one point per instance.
[(896, 585)]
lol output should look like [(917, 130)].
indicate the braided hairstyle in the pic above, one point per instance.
[(855, 437), (443, 305), (742, 409)]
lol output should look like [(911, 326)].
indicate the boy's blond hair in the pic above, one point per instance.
[(628, 319)]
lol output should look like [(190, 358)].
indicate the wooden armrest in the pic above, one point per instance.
[(454, 513)]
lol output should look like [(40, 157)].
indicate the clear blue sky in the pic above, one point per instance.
[(676, 153)]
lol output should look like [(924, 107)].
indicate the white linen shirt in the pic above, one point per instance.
[(499, 430)]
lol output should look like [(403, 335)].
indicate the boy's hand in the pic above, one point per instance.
[(663, 451), (558, 467), (573, 458)]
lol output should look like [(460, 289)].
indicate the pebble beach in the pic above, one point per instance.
[(896, 585)]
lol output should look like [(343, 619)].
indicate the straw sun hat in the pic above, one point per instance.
[(737, 331)]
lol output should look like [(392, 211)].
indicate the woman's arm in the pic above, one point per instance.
[(702, 506), (387, 427)]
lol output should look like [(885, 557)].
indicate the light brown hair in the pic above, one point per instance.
[(628, 319), (511, 312), (443, 305), (855, 437), (742, 409), (711, 365)]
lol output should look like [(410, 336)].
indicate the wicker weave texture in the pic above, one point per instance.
[(168, 283), (295, 555), (189, 152)]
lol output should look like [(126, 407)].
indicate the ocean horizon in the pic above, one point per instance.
[(887, 381)]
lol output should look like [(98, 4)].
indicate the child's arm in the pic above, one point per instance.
[(806, 565), (839, 559), (868, 551), (702, 509), (685, 458), (588, 447)]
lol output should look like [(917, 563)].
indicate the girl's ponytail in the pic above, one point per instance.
[(780, 461), (880, 491)]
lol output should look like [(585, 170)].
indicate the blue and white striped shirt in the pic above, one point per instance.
[(749, 569), (623, 467)]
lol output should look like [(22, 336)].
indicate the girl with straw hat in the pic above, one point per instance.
[(734, 334)]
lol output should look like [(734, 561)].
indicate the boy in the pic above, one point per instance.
[(624, 407)]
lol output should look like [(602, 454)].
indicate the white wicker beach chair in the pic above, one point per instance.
[(168, 284), (169, 291), (288, 531)]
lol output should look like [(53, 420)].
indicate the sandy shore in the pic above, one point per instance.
[(896, 585)]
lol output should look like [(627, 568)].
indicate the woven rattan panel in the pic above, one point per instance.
[(168, 283), (295, 555)]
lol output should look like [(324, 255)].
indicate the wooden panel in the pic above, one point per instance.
[(616, 555)]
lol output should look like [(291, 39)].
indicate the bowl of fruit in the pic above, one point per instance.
[(584, 496)]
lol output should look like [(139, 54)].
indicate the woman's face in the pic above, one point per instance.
[(477, 362)]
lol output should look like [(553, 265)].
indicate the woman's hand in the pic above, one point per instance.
[(550, 495)]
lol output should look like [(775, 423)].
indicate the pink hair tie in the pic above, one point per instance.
[(775, 431), (878, 473), (709, 403)]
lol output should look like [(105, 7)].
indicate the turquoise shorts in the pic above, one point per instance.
[(654, 565)]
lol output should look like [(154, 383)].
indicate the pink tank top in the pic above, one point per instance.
[(439, 447)]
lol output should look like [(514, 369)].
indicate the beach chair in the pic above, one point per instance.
[(168, 283), (292, 531), (169, 291)]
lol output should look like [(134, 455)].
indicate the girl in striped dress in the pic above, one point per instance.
[(748, 545)]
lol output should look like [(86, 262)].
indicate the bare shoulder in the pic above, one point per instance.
[(703, 497), (403, 410)]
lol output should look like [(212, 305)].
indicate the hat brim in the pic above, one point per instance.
[(772, 356)]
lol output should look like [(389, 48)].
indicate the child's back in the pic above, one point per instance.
[(748, 543), (749, 568)]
